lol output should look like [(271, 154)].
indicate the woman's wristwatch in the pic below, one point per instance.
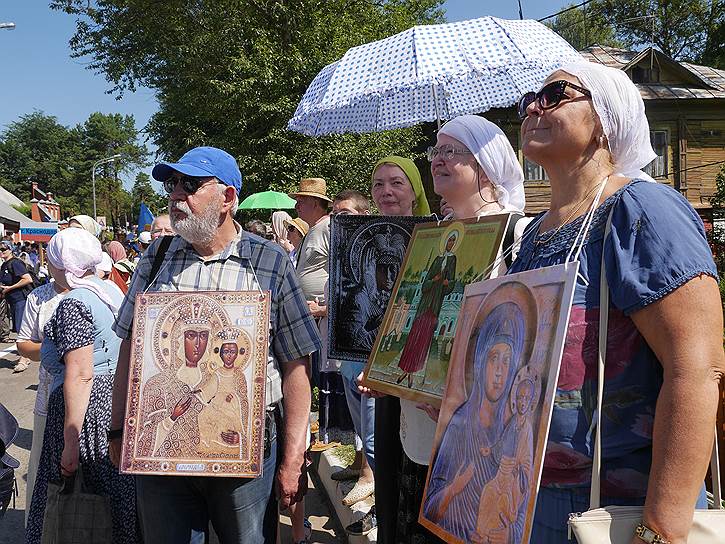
[(646, 534)]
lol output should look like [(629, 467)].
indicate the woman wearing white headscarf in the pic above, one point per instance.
[(587, 128), (280, 219), (476, 173), (80, 351), (475, 169), (87, 223)]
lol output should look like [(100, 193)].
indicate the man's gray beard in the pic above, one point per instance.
[(197, 229)]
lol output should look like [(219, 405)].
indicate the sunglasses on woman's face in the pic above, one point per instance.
[(549, 96), (189, 184)]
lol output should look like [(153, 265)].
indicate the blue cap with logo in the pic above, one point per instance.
[(201, 162)]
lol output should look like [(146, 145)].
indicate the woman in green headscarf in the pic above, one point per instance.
[(397, 188)]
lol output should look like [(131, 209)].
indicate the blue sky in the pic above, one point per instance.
[(39, 74)]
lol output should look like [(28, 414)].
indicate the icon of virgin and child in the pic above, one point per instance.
[(481, 477), (197, 405)]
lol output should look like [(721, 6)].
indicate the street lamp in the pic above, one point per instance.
[(93, 177), (8, 26)]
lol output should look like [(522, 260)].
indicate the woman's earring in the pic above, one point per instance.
[(601, 140)]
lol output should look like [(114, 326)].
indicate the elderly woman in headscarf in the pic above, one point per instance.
[(475, 170), (587, 127), (87, 223), (399, 464), (80, 351), (476, 173)]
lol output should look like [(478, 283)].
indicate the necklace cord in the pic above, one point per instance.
[(569, 217)]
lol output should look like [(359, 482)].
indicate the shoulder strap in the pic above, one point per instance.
[(159, 258), (508, 238)]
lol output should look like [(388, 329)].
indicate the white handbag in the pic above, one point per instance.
[(617, 524)]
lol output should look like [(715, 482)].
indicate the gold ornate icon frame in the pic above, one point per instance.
[(197, 384)]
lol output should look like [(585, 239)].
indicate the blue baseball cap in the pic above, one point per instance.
[(200, 162)]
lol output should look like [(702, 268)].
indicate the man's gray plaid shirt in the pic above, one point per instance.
[(293, 332)]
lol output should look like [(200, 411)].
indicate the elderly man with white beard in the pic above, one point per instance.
[(211, 252)]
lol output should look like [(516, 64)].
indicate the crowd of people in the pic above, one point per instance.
[(586, 127)]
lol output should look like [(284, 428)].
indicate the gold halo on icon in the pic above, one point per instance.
[(456, 228)]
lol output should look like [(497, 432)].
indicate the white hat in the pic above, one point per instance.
[(145, 237)]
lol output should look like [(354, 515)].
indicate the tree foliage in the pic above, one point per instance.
[(230, 73), (583, 27), (38, 148), (682, 29), (143, 191)]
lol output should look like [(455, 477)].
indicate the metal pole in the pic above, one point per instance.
[(435, 104), (93, 181)]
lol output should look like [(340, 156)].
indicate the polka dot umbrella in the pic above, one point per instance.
[(429, 73)]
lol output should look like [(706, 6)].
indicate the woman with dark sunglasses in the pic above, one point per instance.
[(587, 128)]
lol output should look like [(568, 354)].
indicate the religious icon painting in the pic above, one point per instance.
[(197, 378), (490, 439), (366, 255), (413, 348)]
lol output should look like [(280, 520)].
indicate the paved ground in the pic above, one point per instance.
[(17, 393)]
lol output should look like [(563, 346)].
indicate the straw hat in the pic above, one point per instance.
[(316, 187), (297, 223)]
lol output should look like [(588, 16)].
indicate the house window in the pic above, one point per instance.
[(658, 167), (533, 172), (645, 75)]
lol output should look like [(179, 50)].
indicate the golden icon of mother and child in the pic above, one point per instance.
[(194, 398)]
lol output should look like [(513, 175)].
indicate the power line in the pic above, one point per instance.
[(593, 13), (565, 10), (668, 174)]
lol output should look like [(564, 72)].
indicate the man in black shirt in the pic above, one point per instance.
[(14, 280)]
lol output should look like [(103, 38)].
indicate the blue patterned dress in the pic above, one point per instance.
[(657, 244)]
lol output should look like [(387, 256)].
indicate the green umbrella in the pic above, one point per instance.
[(270, 200)]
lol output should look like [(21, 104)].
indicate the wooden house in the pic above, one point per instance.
[(685, 106)]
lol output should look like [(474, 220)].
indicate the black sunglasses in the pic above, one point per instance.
[(549, 96), (190, 184)]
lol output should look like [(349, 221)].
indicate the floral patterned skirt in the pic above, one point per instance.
[(99, 474)]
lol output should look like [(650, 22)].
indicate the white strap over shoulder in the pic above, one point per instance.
[(595, 493)]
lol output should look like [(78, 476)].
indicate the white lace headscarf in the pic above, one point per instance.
[(76, 251), (621, 111), (278, 225), (494, 154)]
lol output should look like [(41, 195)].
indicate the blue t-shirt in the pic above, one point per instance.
[(657, 244)]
